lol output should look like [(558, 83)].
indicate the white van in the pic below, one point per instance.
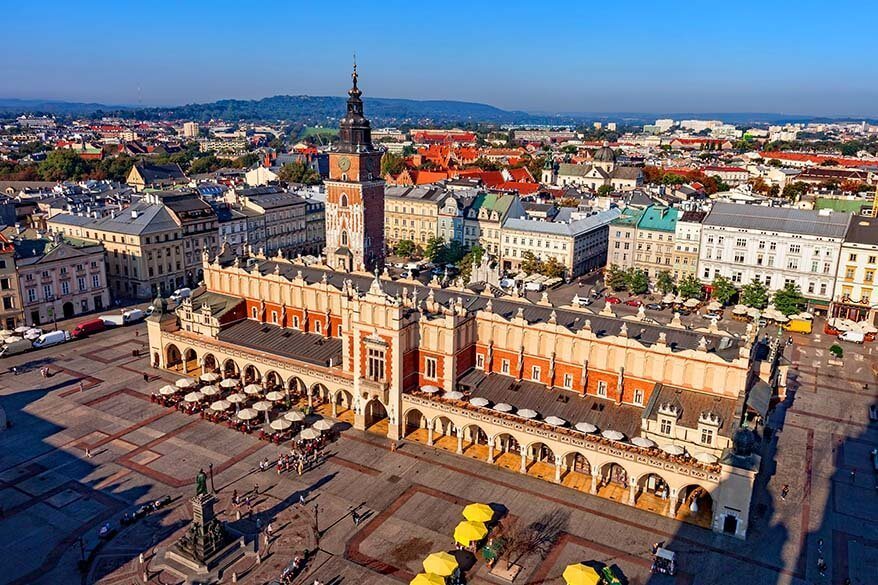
[(133, 316), (533, 286), (853, 336), (51, 338), (180, 294)]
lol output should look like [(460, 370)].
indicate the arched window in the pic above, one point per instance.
[(344, 238), (254, 312), (343, 200), (317, 326), (295, 322)]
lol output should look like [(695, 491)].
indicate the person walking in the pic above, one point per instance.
[(145, 377), (88, 453), (302, 499)]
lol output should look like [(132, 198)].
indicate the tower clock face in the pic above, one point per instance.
[(344, 163)]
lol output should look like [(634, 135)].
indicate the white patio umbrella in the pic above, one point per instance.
[(703, 457), (12, 339), (754, 313), (294, 416), (584, 427), (252, 389), (691, 303), (679, 300), (805, 316), (262, 406), (868, 327), (194, 397), (5, 333), (210, 390), (322, 425), (32, 334), (613, 435), (228, 383), (479, 401), (528, 413), (309, 434), (671, 449), (781, 318), (236, 398), (274, 396), (248, 414), (168, 390), (209, 377), (280, 424), (714, 306), (503, 407), (430, 389), (668, 298), (220, 405), (454, 395), (739, 310), (185, 383), (22, 329), (556, 421), (642, 442)]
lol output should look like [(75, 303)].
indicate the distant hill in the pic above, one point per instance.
[(15, 107), (323, 109)]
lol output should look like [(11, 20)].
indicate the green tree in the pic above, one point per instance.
[(637, 281), (673, 179), (205, 164), (436, 250), (664, 282), (298, 172), (615, 278), (486, 164), (530, 263), (794, 191), (552, 268), (391, 164), (63, 164), (754, 294), (405, 248), (789, 299), (605, 190), (454, 251), (690, 288), (465, 264), (723, 289)]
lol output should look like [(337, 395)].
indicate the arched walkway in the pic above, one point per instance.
[(652, 494), (507, 452), (474, 442), (251, 375), (319, 398), (613, 483), (190, 363), (230, 369), (576, 472), (695, 506), (415, 426), (273, 380), (539, 461), (343, 406), (297, 389), (375, 417), (444, 434), (173, 358), (209, 363)]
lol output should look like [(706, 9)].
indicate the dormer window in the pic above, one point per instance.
[(666, 426)]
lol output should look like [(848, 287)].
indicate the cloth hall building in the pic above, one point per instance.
[(648, 415)]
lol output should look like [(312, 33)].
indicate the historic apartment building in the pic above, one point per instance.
[(856, 290), (412, 213), (646, 415), (11, 313)]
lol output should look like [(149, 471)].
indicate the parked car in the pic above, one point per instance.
[(655, 306), (582, 301), (712, 315), (51, 338), (133, 316), (633, 302), (15, 348), (613, 300), (180, 294), (853, 336), (533, 286), (112, 320), (86, 328)]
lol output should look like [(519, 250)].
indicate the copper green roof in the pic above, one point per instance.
[(656, 218)]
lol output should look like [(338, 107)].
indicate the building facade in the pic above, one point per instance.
[(687, 235), (774, 245), (11, 312), (856, 293), (654, 240), (622, 238), (412, 213)]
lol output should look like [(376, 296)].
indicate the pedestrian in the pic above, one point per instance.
[(80, 387), (302, 499), (88, 453), (356, 518), (392, 446), (235, 498), (256, 489), (14, 371), (145, 377), (853, 475), (258, 523), (269, 530)]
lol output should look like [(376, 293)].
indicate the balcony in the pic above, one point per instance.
[(374, 389)]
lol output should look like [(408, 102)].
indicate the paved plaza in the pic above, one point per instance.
[(54, 498)]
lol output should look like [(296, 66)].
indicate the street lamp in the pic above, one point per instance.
[(210, 468)]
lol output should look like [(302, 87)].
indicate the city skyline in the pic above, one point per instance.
[(752, 58)]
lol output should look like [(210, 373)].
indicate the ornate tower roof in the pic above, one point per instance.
[(355, 132)]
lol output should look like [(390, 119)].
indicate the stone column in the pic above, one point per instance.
[(524, 461), (490, 451), (632, 493), (672, 507), (594, 484), (430, 434), (459, 441), (557, 470), (334, 409)]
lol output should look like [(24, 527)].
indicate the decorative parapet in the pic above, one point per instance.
[(650, 457)]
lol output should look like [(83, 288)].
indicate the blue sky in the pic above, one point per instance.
[(778, 56)]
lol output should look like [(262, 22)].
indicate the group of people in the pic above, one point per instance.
[(301, 457)]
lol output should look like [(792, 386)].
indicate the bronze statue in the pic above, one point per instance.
[(201, 483)]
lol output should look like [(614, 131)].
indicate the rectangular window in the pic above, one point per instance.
[(375, 364), (504, 366), (707, 436), (31, 295), (602, 388), (568, 381), (535, 373), (65, 288), (274, 317), (430, 368), (96, 280), (638, 396), (48, 293), (4, 284), (480, 361), (665, 427)]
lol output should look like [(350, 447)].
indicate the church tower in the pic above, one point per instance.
[(355, 194)]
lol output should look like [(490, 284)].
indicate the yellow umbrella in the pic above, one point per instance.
[(427, 579), (468, 531), (478, 513), (580, 574), (440, 563)]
